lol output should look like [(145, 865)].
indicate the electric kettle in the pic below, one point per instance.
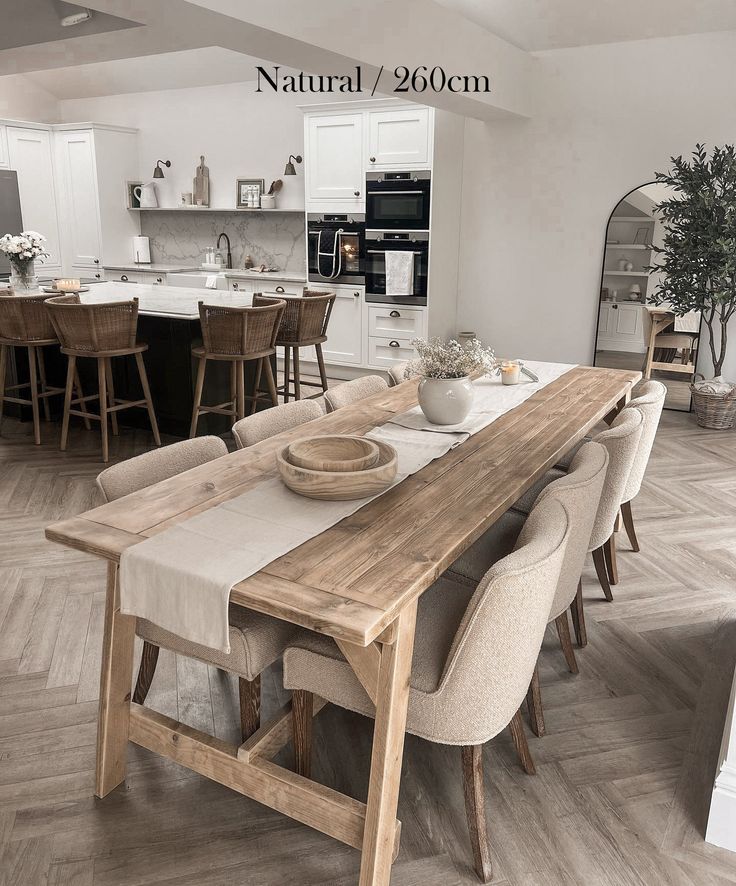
[(146, 195)]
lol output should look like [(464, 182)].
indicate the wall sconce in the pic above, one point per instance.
[(157, 171), (290, 169)]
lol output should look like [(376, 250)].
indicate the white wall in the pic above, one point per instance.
[(21, 99), (537, 193), (241, 134)]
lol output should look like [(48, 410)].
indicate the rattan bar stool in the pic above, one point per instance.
[(237, 335), (101, 332), (303, 325), (25, 323)]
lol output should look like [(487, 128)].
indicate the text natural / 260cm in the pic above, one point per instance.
[(419, 79)]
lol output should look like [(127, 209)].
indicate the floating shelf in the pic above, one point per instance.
[(633, 218), (196, 209), (626, 246), (625, 273)]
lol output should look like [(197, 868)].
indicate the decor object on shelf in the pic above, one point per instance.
[(146, 195), (186, 198), (268, 201), (622, 264), (248, 192), (202, 184), (629, 266), (22, 251), (157, 171), (445, 390), (642, 236), (290, 169), (131, 198), (696, 263), (634, 292)]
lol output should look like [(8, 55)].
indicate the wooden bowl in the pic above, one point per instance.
[(340, 485), (333, 453)]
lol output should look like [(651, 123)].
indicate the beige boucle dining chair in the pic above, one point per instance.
[(269, 422), (352, 391), (256, 640), (474, 654)]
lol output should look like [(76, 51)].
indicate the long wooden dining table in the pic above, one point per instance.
[(358, 582)]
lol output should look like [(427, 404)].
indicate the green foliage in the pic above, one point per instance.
[(698, 255)]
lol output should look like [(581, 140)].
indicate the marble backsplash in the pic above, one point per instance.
[(273, 239)]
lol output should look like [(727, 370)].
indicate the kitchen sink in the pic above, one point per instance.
[(196, 279)]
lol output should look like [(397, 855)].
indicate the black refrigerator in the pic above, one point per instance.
[(11, 221)]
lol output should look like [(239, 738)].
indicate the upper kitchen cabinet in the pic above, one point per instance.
[(94, 164), (30, 155), (335, 174), (400, 139)]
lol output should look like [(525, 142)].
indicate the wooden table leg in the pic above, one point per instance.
[(115, 679), (388, 748)]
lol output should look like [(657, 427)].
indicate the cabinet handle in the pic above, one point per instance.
[(394, 314), (235, 287), (357, 193), (280, 289), (372, 159), (394, 344), (615, 307), (159, 279), (98, 276), (123, 278), (97, 261), (356, 294)]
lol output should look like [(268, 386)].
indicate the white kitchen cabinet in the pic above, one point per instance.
[(383, 353), (395, 321), (345, 330), (241, 286), (4, 157), (81, 201), (30, 155), (400, 139), (622, 327), (335, 174)]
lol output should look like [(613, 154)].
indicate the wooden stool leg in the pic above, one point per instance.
[(250, 706), (102, 385), (599, 561), (302, 712), (475, 809), (628, 518), (80, 394), (297, 376), (534, 705), (563, 632), (197, 396), (240, 388), (271, 381), (42, 377), (147, 395), (256, 384), (3, 365), (321, 363), (578, 617), (609, 553), (287, 354), (34, 395), (111, 394), (71, 371), (146, 670)]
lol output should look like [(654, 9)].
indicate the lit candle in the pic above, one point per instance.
[(510, 372), (69, 285)]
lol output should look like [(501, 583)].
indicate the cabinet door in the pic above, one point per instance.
[(334, 161), (628, 321), (80, 193), (604, 321), (399, 139), (29, 151), (4, 159)]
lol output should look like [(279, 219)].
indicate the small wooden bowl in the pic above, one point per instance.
[(340, 485), (333, 453)]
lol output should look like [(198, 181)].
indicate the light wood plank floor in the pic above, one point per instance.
[(622, 790)]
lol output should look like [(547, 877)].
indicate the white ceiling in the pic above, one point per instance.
[(554, 24)]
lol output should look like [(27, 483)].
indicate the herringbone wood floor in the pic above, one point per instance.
[(624, 774)]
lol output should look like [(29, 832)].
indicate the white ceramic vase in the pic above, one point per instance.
[(446, 401)]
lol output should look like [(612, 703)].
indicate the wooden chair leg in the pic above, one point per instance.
[(271, 381), (256, 384), (146, 670), (578, 617), (522, 748), (628, 519), (297, 376), (321, 363), (111, 394), (563, 632), (3, 367), (147, 394), (287, 381), (609, 555), (475, 810), (599, 561), (534, 705), (34, 395), (42, 377), (102, 384), (250, 705), (80, 394), (71, 373), (302, 711)]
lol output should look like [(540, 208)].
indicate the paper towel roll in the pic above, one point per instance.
[(141, 250)]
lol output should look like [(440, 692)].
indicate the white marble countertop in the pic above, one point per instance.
[(175, 302), (153, 267), (280, 276)]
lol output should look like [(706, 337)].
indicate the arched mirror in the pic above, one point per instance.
[(631, 333)]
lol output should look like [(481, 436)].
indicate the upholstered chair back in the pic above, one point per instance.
[(396, 374), (159, 464), (492, 657), (269, 422), (580, 492), (649, 402), (622, 442), (352, 391)]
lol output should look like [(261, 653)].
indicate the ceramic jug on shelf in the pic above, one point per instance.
[(146, 195)]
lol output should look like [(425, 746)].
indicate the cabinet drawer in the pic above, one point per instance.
[(292, 289), (124, 276), (393, 322), (151, 278), (385, 352)]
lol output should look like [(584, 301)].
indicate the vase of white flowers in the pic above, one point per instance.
[(22, 251), (445, 367)]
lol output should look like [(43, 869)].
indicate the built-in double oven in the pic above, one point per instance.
[(336, 248)]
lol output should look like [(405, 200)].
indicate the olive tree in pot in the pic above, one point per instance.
[(697, 262)]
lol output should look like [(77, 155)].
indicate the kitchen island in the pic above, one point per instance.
[(168, 322)]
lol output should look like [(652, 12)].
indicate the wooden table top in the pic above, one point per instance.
[(351, 581)]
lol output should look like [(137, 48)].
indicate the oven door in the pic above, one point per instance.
[(400, 204), (349, 266), (378, 243)]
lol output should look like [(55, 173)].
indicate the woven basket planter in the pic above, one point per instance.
[(714, 411)]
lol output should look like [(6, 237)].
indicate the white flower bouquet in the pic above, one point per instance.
[(450, 359), (23, 248)]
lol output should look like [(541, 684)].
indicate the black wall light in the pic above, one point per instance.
[(157, 171), (290, 169)]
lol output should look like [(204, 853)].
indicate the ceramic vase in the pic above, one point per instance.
[(446, 401)]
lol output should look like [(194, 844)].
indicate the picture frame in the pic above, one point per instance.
[(642, 236), (248, 192), (131, 201)]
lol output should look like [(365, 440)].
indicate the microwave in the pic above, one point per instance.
[(397, 201)]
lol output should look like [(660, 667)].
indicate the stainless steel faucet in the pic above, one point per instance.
[(229, 253)]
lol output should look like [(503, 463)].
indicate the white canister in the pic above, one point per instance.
[(268, 201)]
